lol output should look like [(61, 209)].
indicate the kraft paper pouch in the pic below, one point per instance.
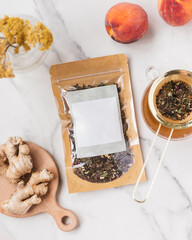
[(95, 104)]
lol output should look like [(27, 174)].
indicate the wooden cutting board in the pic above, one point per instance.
[(65, 219)]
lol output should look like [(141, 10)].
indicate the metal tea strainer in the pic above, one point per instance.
[(175, 75)]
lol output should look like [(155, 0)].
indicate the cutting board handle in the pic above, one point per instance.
[(65, 219)]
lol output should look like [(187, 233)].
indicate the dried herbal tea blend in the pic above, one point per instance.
[(104, 168), (107, 167), (174, 100)]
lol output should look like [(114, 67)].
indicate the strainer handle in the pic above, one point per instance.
[(144, 165), (152, 73)]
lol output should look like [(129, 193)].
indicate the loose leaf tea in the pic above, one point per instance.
[(104, 168), (174, 100)]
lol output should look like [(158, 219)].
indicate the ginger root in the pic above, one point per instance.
[(15, 160), (29, 194)]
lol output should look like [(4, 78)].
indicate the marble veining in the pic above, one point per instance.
[(28, 109)]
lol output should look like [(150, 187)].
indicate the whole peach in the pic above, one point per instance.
[(126, 22), (175, 12)]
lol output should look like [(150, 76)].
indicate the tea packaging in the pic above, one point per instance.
[(95, 104)]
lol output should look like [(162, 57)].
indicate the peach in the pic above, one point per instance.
[(175, 12), (126, 22)]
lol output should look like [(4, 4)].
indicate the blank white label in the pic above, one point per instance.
[(97, 122)]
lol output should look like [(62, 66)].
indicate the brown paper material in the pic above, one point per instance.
[(94, 71)]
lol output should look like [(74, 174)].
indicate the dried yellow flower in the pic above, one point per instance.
[(4, 44), (14, 29), (22, 33), (6, 70), (39, 34)]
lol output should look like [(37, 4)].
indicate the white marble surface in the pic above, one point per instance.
[(27, 108)]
